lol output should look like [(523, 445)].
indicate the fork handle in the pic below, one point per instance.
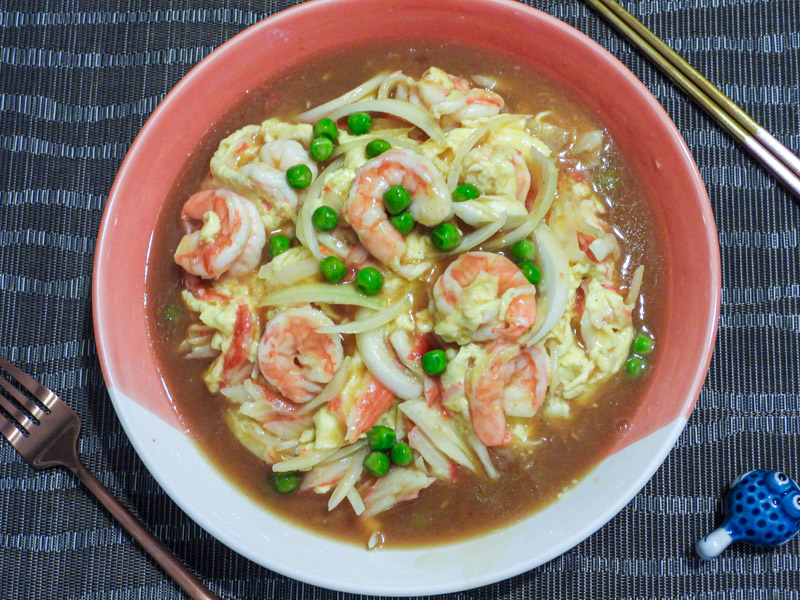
[(160, 553)]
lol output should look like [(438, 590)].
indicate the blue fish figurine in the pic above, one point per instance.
[(762, 508)]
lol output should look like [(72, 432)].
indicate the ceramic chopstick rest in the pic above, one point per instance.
[(761, 508)]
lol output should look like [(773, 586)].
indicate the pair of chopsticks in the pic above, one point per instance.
[(775, 157)]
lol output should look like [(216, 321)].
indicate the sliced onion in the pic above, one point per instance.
[(321, 293), (480, 235), (384, 366), (416, 115), (332, 388), (349, 480), (474, 138), (304, 462), (401, 342), (483, 455), (442, 432), (602, 247), (397, 486), (635, 286), (369, 86), (439, 464), (355, 501), (554, 287), (548, 175), (305, 227), (363, 140), (334, 244), (372, 321)]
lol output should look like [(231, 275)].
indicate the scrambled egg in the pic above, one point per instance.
[(276, 129)]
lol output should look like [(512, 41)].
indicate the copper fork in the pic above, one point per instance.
[(45, 432)]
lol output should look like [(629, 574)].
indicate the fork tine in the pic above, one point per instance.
[(45, 395), (17, 414), (24, 402)]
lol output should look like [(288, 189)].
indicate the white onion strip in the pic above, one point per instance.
[(363, 140), (483, 455), (480, 235), (321, 293), (544, 200), (381, 361), (331, 389), (400, 340), (305, 227), (312, 458), (554, 287), (349, 479), (474, 138), (406, 111), (442, 432), (355, 501), (635, 286), (353, 95), (373, 321)]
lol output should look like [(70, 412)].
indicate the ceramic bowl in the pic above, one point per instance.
[(642, 131)]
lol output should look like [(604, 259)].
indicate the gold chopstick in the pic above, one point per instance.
[(775, 157)]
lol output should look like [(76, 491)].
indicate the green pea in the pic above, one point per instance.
[(377, 147), (402, 454), (369, 281), (299, 176), (320, 148), (523, 250), (326, 128), (278, 244), (531, 271), (466, 191), (403, 222), (381, 438), (325, 218), (376, 463), (172, 312), (635, 366), (332, 269), (642, 344), (434, 362), (286, 482), (359, 123), (396, 199), (445, 237)]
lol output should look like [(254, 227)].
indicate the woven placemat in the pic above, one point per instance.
[(77, 81)]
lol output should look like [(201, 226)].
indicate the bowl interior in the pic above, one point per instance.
[(642, 131)]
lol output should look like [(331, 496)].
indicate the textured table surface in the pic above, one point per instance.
[(77, 81)]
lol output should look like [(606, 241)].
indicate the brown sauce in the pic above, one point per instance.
[(446, 511)]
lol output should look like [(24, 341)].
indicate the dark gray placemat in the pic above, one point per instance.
[(77, 81)]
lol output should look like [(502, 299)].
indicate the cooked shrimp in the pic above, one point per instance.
[(447, 95), (442, 93), (478, 104), (268, 174), (223, 234), (483, 296), (296, 359), (510, 381), (364, 209)]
